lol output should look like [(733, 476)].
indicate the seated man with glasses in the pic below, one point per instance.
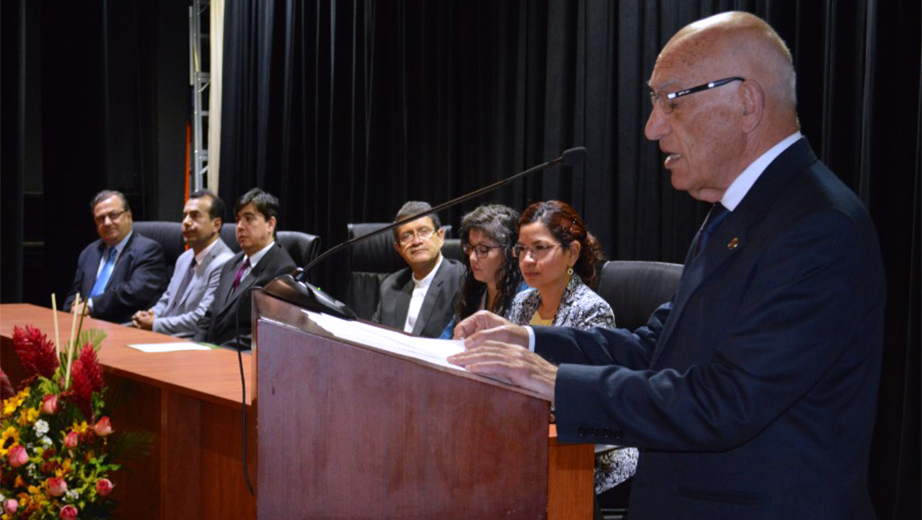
[(122, 272), (420, 298)]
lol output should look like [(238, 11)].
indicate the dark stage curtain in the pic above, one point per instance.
[(346, 109)]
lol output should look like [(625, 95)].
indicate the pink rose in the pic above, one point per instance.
[(10, 506), (56, 486), (17, 456), (103, 426), (104, 487), (50, 404), (71, 440), (68, 513)]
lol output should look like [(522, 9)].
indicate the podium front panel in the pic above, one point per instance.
[(349, 432)]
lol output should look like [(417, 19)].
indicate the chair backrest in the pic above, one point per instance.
[(168, 235), (634, 289), (370, 261), (303, 247)]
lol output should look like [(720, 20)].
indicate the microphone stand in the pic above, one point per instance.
[(294, 287)]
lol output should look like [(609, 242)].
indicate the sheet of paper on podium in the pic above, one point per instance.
[(435, 351)]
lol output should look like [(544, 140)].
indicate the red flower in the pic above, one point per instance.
[(17, 456), (69, 513), (70, 441), (91, 369), (103, 427), (35, 351), (104, 487), (56, 486), (50, 404)]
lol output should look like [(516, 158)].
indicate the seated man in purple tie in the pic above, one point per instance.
[(121, 272), (260, 260), (197, 271)]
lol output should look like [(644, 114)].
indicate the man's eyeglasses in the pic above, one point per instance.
[(481, 250), (665, 99), (112, 215), (408, 236), (537, 251)]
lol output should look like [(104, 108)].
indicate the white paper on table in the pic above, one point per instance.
[(432, 350), (152, 348)]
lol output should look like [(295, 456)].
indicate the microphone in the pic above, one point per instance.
[(295, 289)]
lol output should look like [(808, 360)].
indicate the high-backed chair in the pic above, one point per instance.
[(303, 247), (370, 261), (634, 289), (168, 235)]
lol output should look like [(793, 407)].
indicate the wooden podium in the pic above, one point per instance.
[(351, 431)]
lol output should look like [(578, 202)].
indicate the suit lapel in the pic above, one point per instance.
[(184, 267), (731, 238), (402, 301), (225, 288), (92, 269)]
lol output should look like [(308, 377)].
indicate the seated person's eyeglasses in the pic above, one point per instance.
[(665, 99), (422, 233), (112, 215), (481, 250), (537, 251)]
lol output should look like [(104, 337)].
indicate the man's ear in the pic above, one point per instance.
[(752, 101)]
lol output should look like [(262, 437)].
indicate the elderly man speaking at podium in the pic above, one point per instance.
[(752, 392)]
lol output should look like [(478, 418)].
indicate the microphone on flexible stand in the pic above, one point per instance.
[(294, 287)]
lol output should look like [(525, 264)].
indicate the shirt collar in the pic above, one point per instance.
[(741, 186), (121, 245), (199, 258), (425, 282), (259, 254)]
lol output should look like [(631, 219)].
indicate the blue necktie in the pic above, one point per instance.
[(103, 277), (717, 215)]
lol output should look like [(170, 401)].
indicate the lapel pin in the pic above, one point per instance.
[(733, 243)]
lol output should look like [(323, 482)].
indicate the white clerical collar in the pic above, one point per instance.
[(741, 186), (425, 282), (259, 254)]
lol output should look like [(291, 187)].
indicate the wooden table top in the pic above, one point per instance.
[(212, 375)]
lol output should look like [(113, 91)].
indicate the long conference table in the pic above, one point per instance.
[(191, 402)]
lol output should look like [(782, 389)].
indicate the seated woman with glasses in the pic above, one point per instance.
[(557, 256), (492, 278)]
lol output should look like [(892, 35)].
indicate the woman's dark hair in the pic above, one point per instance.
[(499, 223), (567, 226)]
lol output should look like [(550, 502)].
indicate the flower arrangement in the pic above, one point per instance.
[(55, 459)]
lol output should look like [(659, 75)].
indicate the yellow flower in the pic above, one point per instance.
[(64, 469), (28, 416), (18, 483), (5, 445), (15, 402), (80, 428)]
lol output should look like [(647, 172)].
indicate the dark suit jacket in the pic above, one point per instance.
[(138, 278), (218, 326), (438, 307), (752, 393)]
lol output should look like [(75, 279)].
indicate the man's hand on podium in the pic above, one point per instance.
[(484, 325), (497, 348)]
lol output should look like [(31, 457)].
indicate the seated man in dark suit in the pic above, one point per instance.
[(121, 272), (260, 260), (420, 298), (197, 273)]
